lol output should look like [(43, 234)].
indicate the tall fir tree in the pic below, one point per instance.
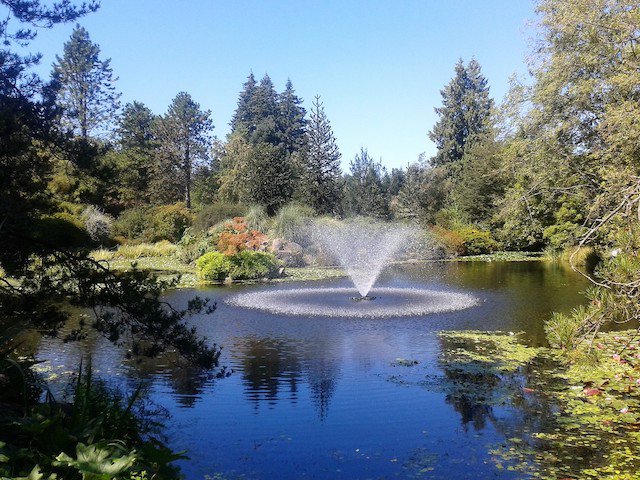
[(269, 176), (465, 113), (243, 118), (184, 136), (291, 118), (265, 126), (321, 185), (364, 190), (85, 86), (135, 126)]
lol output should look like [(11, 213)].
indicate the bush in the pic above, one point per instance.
[(61, 230), (169, 222), (97, 224), (132, 223), (291, 222), (465, 241), (236, 237), (245, 265), (248, 265), (164, 222), (213, 267), (565, 331), (477, 242), (257, 218), (210, 215)]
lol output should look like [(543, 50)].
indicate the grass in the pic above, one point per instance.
[(141, 250)]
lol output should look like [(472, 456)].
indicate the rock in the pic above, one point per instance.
[(290, 253)]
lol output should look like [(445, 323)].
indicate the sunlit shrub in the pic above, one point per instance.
[(97, 224), (61, 230), (213, 267), (210, 215), (237, 237), (291, 221), (248, 264), (477, 242), (257, 218), (164, 222), (565, 331)]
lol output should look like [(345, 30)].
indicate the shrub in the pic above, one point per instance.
[(257, 218), (236, 237), (169, 222), (585, 258), (291, 222), (213, 266), (210, 215), (565, 331), (132, 223), (451, 241), (164, 222), (249, 264), (97, 224), (244, 265), (61, 230), (477, 242)]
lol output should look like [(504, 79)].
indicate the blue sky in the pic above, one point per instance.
[(378, 65)]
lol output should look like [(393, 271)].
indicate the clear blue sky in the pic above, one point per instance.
[(378, 65)]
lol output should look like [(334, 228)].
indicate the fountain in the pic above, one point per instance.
[(363, 247)]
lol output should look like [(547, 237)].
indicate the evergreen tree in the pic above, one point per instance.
[(291, 120), (85, 86), (464, 115), (320, 164), (364, 190), (184, 136), (135, 156), (135, 126), (265, 114), (269, 176), (243, 118)]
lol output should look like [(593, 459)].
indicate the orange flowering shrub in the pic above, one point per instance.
[(237, 237)]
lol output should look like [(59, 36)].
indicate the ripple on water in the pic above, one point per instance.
[(337, 302)]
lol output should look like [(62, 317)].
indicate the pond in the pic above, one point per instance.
[(327, 397)]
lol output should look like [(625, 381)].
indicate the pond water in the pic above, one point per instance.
[(324, 397)]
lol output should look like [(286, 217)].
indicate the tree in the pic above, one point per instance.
[(135, 127), (464, 115), (364, 190), (269, 176), (184, 135), (44, 268), (243, 118), (85, 86), (321, 185), (265, 114), (291, 119)]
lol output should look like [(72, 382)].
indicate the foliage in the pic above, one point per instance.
[(321, 183), (257, 218), (109, 434), (464, 115), (269, 177), (466, 241), (210, 215), (364, 191), (97, 224), (237, 236), (243, 265), (85, 86), (164, 222), (184, 140), (140, 250), (213, 266), (290, 222)]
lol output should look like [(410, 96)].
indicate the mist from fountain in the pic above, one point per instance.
[(363, 246)]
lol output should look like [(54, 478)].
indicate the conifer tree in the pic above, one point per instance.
[(269, 176), (291, 119), (265, 114), (184, 136), (135, 126), (364, 191), (320, 164), (85, 86), (243, 117), (464, 115)]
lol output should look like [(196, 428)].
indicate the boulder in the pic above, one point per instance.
[(290, 253)]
